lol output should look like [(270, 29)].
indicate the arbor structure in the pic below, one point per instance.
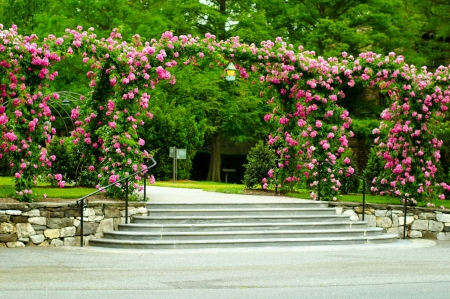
[(311, 125)]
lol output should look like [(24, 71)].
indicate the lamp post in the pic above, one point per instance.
[(231, 72)]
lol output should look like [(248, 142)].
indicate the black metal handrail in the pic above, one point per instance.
[(83, 202), (364, 181)]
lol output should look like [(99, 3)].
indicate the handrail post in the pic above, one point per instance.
[(404, 220), (320, 179), (145, 186), (126, 201), (364, 198), (81, 223)]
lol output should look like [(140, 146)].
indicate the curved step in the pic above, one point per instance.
[(384, 238), (240, 219), (242, 211), (241, 226), (220, 235), (238, 205)]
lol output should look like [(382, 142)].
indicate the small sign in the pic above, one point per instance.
[(181, 153)]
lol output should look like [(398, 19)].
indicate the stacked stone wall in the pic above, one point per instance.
[(58, 224), (420, 222)]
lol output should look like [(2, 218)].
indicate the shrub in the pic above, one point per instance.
[(260, 161)]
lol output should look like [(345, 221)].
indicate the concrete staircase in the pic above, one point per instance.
[(247, 224)]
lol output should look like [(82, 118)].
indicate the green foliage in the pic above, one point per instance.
[(261, 159), (349, 184), (362, 128), (67, 162), (374, 166)]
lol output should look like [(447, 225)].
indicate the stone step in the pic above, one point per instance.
[(230, 243), (238, 205), (242, 211), (240, 219), (241, 226), (222, 235)]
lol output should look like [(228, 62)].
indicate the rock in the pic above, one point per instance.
[(111, 212), (370, 219), (51, 233), (339, 210), (8, 238), (59, 222), (105, 225), (13, 212), (89, 228), (397, 212), (15, 244), (4, 218), (2, 212), (56, 214), (19, 219), (117, 221), (57, 243), (98, 212), (90, 214), (72, 213), (25, 240), (44, 244), (72, 241), (67, 232), (142, 211), (32, 213), (446, 228), (434, 226), (38, 221), (7, 228), (98, 235), (429, 216), (394, 220), (443, 217), (384, 222), (415, 234), (37, 239), (409, 220), (76, 222), (428, 235), (420, 225), (99, 218), (443, 236), (3, 245), (380, 213), (24, 230)]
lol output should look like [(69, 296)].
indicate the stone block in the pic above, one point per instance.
[(380, 213), (105, 225), (59, 222), (435, 226), (13, 212), (38, 227), (339, 210), (446, 228), (111, 212), (3, 245), (443, 236), (428, 216), (43, 244), (98, 235), (370, 219), (428, 235), (142, 211), (19, 219), (90, 214), (420, 225), (44, 213), (57, 243), (409, 220), (15, 244), (38, 221), (8, 238), (24, 240), (32, 213), (76, 222), (99, 218), (443, 217), (37, 239), (384, 222), (4, 218), (89, 228), (67, 232), (58, 214), (397, 212), (2, 212), (24, 230), (72, 213), (415, 234), (394, 218), (98, 211), (118, 221), (7, 228), (72, 241), (51, 233)]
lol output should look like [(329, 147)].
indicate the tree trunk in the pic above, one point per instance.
[(214, 162)]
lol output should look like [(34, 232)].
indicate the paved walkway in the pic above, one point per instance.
[(166, 194)]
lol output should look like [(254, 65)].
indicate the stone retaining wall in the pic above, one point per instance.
[(420, 222), (58, 224)]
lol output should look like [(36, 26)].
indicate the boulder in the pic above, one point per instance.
[(443, 217), (415, 234), (89, 228), (59, 222), (420, 225), (57, 243), (51, 233), (19, 219), (7, 228), (8, 238), (384, 222), (13, 212), (435, 226), (37, 239), (67, 232), (15, 244), (72, 241), (105, 225), (24, 230), (32, 213), (38, 221), (44, 244)]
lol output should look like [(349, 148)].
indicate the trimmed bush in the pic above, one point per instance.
[(260, 160)]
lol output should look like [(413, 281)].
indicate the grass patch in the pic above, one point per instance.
[(205, 186)]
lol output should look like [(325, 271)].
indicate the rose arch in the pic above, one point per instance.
[(313, 130)]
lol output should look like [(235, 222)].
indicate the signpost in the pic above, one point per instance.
[(176, 153)]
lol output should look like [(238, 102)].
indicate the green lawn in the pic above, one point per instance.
[(207, 186)]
